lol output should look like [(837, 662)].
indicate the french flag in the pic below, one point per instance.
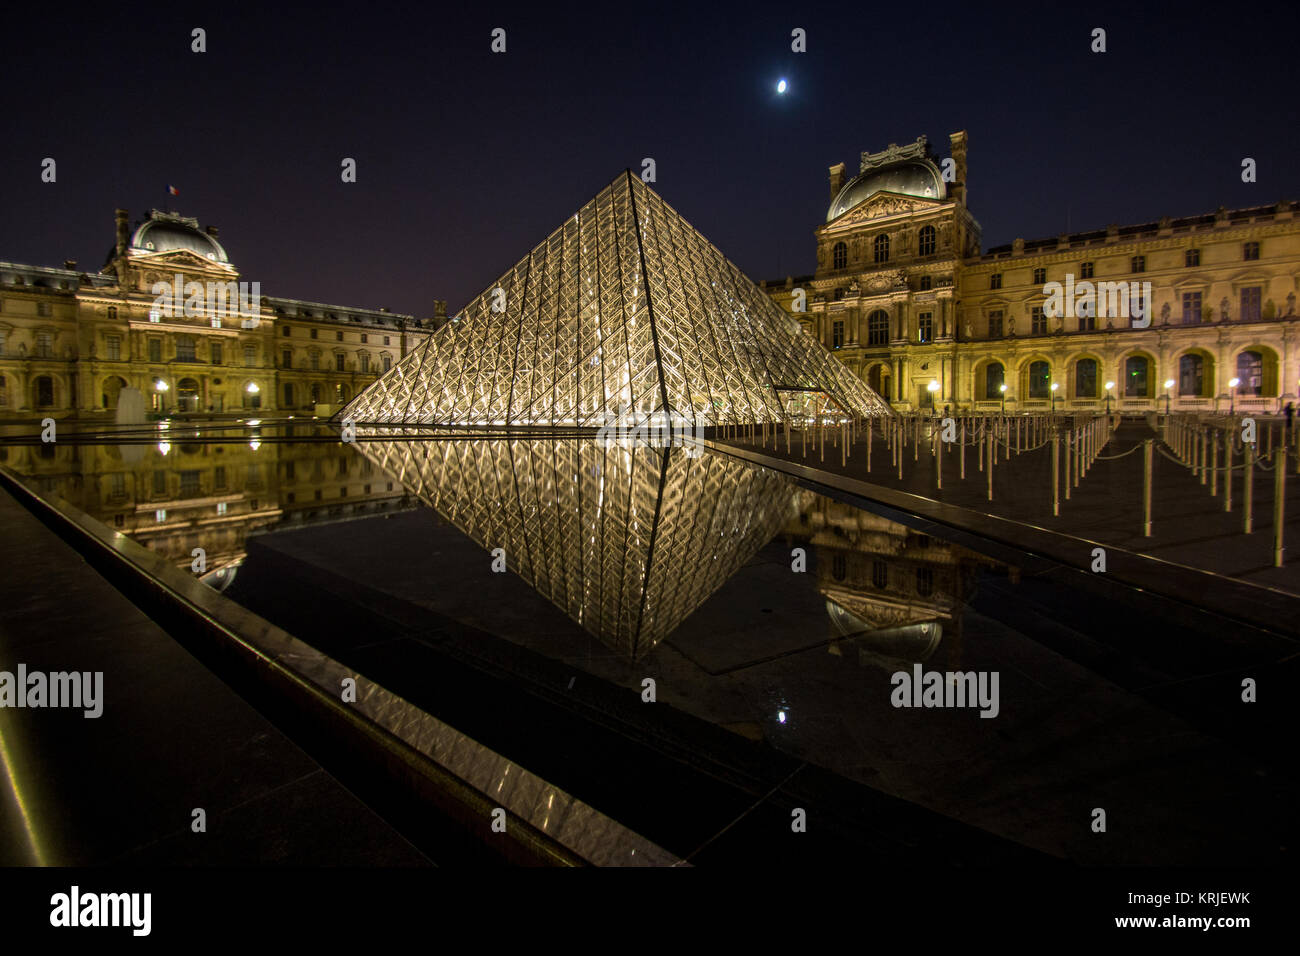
[(172, 190)]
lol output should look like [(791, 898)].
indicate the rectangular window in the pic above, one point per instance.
[(315, 361), (219, 477), (221, 507), (343, 464), (250, 356), (1250, 299), (338, 336), (117, 486), (114, 348), (43, 308), (338, 362), (1192, 258), (365, 362), (286, 358), (995, 325), (925, 327), (837, 335), (155, 315), (288, 395), (288, 470), (995, 280), (363, 338), (385, 340), (313, 333), (189, 484), (185, 349), (160, 515), (216, 321), (159, 483), (1040, 276), (1250, 251), (155, 350), (1085, 270), (1138, 264), (284, 331), (1191, 308), (1037, 321), (217, 355), (926, 283), (2, 343), (44, 344), (388, 361)]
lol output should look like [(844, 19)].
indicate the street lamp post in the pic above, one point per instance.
[(1169, 383), (932, 388), (161, 388), (1055, 386), (1232, 401), (1003, 389), (1109, 386)]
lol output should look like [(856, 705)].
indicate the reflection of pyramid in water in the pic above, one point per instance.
[(628, 541), (624, 306)]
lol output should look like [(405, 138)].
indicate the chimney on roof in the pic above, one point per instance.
[(122, 231), (837, 180), (69, 263), (957, 145), (440, 310)]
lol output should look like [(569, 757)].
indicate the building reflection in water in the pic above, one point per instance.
[(628, 541), (178, 494), (892, 593)]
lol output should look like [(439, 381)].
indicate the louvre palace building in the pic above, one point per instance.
[(71, 341), (904, 295)]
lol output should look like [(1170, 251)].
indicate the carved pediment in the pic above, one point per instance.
[(884, 204)]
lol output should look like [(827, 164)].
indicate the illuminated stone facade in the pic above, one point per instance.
[(71, 341), (904, 296)]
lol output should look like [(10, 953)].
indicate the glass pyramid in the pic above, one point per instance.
[(623, 312), (627, 541)]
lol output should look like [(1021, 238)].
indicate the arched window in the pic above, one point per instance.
[(880, 574), (1085, 378), (44, 392), (994, 377), (1040, 380), (315, 394), (881, 248), (878, 328), (925, 241), (839, 567), (1136, 376), (1250, 369), (1191, 375), (4, 391), (924, 581), (839, 256)]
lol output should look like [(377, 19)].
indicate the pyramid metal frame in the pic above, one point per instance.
[(624, 311), (627, 541)]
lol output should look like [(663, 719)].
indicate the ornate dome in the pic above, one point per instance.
[(913, 177), (164, 232)]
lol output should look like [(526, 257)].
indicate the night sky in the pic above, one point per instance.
[(467, 159)]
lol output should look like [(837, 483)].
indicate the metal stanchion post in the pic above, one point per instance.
[(1248, 491), (1056, 475), (1279, 500), (1148, 453)]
